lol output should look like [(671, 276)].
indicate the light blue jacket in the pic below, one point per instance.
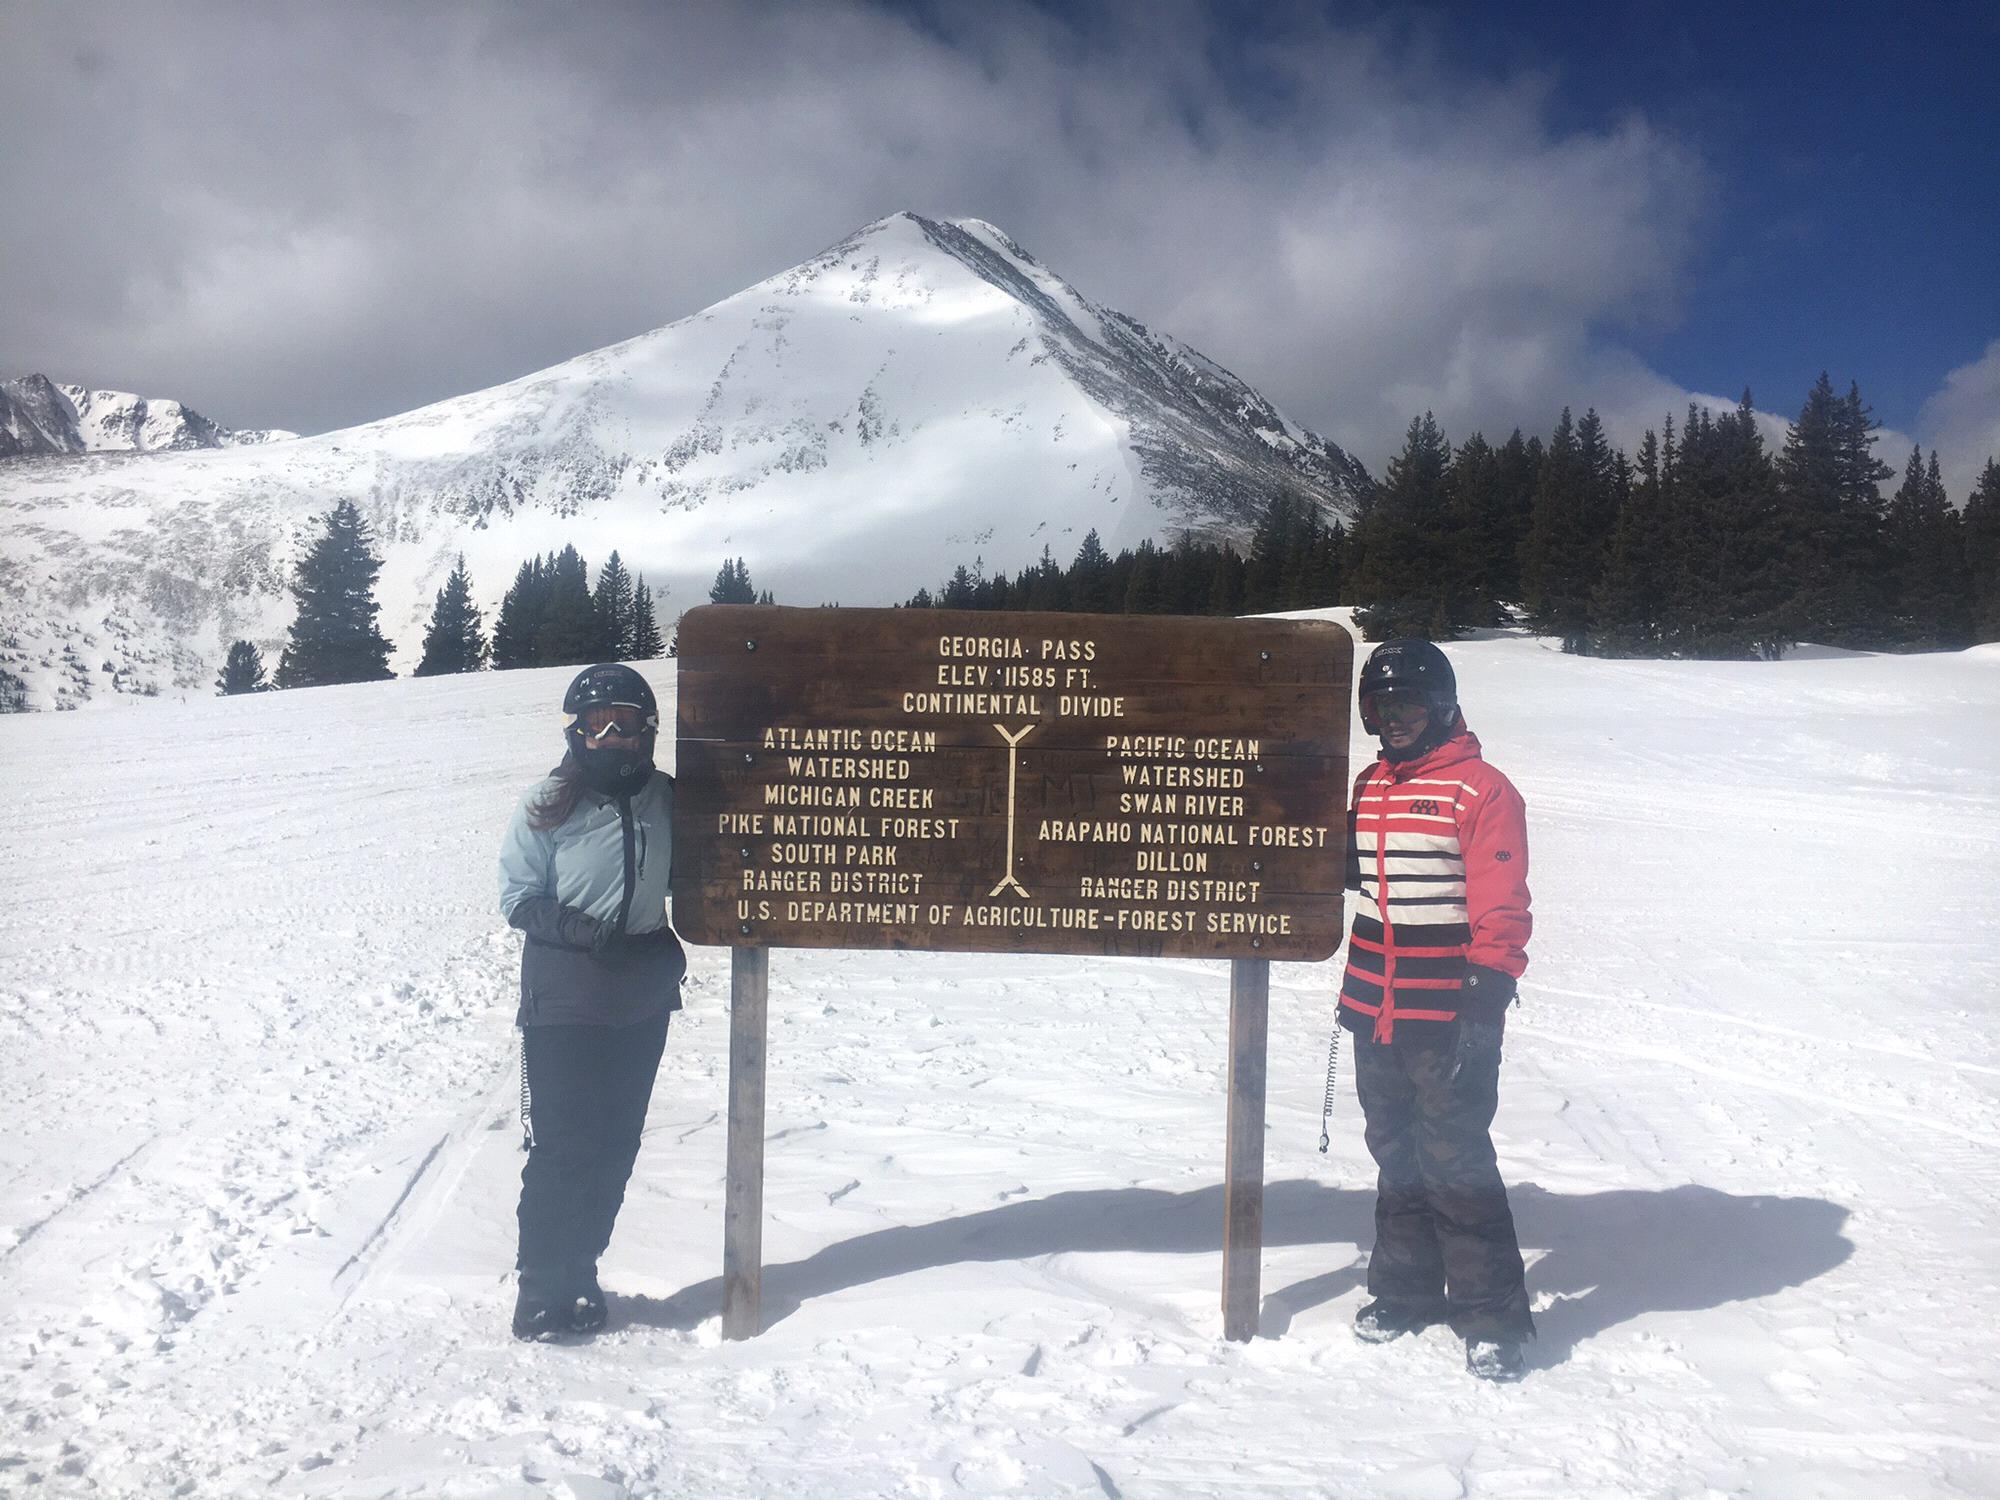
[(582, 863), (560, 885)]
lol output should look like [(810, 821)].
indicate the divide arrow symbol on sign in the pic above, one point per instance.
[(1013, 757)]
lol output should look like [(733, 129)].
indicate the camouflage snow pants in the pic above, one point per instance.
[(1444, 1235)]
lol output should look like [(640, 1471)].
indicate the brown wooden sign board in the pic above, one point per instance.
[(1036, 783)]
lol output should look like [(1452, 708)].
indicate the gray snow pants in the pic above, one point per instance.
[(1444, 1234), (589, 1087)]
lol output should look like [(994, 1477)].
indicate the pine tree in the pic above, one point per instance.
[(1090, 578), (1670, 501), (1981, 528), (732, 584), (1182, 590), (1489, 491), (994, 592), (1569, 531), (333, 638), (1145, 590), (612, 605), (243, 672), (521, 611), (1047, 584), (1295, 582), (455, 640), (1746, 526), (1929, 586), (1405, 575), (958, 590), (1270, 550), (1729, 568), (1520, 472), (646, 642), (567, 635), (1117, 579), (1829, 477), (1227, 584), (1708, 490), (1629, 608), (1328, 568)]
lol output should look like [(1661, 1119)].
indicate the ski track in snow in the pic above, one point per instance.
[(261, 1147)]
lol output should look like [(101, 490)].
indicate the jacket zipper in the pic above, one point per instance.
[(626, 829)]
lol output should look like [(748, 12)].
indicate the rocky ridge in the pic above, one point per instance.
[(39, 417)]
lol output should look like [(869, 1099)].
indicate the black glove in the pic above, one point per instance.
[(580, 929), (1487, 993), (1478, 1047), (547, 920)]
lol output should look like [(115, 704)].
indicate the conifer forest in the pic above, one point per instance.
[(1706, 543)]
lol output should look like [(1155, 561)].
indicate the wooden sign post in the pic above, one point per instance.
[(1243, 1172), (1009, 783), (743, 1207)]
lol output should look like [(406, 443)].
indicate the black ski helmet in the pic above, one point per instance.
[(611, 769), (1412, 666)]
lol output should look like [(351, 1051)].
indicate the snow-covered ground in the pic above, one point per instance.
[(260, 1152)]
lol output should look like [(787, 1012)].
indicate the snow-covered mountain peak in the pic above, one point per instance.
[(921, 394)]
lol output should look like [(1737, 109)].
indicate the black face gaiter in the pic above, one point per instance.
[(616, 771)]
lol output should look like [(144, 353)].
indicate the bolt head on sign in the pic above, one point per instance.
[(1012, 783)]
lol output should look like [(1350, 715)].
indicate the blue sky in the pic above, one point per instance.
[(309, 216), (1856, 152), (1853, 223)]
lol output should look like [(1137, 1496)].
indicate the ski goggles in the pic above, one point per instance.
[(1394, 706), (626, 721)]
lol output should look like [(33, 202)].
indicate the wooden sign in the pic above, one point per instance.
[(1047, 783)]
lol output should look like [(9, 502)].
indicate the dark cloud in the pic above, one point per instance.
[(311, 215)]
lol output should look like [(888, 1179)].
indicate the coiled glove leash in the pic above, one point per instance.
[(527, 1119), (1332, 1067)]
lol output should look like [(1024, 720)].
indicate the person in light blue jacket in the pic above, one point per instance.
[(584, 873)]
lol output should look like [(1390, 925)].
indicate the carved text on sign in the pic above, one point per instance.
[(887, 778)]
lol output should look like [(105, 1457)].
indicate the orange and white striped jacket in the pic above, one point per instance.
[(1438, 849)]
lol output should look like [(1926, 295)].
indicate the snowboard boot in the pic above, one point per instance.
[(1497, 1360), (1382, 1320), (587, 1308), (542, 1308), (537, 1319)]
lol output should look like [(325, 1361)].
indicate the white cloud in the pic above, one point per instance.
[(307, 216), (1962, 422)]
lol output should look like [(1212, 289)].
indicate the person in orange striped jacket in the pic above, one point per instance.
[(1438, 851)]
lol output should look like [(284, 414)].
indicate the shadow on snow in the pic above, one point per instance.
[(1604, 1257)]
